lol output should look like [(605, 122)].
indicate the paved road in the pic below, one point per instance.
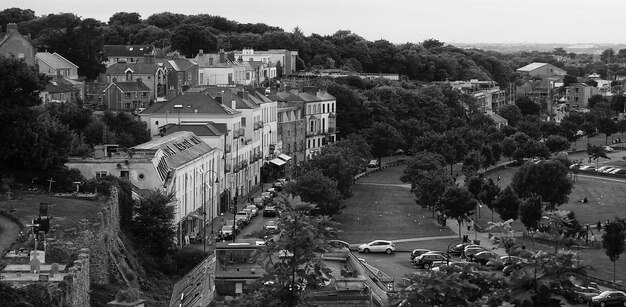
[(8, 232)]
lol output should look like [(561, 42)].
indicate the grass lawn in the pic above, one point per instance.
[(382, 209), (65, 212)]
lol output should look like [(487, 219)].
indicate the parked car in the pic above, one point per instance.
[(609, 298), (608, 170), (470, 251), (243, 216), (373, 163), (253, 209), (425, 261), (270, 211), (484, 257), (602, 168), (620, 172), (458, 249), (511, 268), (259, 202), (607, 148), (590, 168), (378, 246), (418, 252), (615, 170), (228, 229), (461, 264), (272, 225), (579, 294)]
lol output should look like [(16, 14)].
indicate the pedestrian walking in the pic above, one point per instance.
[(599, 226), (593, 240)]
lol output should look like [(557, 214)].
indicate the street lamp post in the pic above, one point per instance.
[(204, 204)]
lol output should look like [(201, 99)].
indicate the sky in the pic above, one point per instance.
[(398, 21)]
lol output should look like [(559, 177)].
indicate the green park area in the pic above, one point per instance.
[(383, 208)]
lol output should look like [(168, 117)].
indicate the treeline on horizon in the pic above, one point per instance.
[(81, 41)]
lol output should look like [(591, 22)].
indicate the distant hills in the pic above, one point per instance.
[(589, 48)]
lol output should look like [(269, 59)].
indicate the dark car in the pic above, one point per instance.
[(609, 298), (418, 252), (270, 211), (458, 249), (579, 294), (484, 257), (425, 261)]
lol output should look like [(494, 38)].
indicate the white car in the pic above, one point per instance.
[(271, 225), (607, 148), (614, 171), (587, 168), (253, 209), (602, 168), (378, 246)]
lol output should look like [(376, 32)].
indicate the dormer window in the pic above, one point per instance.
[(129, 76)]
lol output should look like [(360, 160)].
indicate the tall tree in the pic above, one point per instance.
[(547, 179), (489, 191), (315, 188), (557, 143), (530, 212), (511, 113), (384, 139), (153, 223), (607, 127), (457, 203), (613, 241), (507, 204)]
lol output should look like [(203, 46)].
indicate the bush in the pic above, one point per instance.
[(186, 259)]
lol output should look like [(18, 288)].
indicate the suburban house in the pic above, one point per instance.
[(182, 74), (58, 67), (127, 96), (542, 70), (291, 125), (153, 75), (94, 95), (499, 120), (320, 114), (283, 57), (15, 44), (172, 163), (128, 54), (488, 94), (577, 95), (216, 69), (59, 90), (53, 64)]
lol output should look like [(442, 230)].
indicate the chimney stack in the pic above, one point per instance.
[(11, 27), (222, 56)]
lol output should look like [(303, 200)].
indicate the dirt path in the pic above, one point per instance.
[(8, 233)]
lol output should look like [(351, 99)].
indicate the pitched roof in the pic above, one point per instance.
[(137, 68), (532, 66), (55, 60), (59, 87), (229, 95), (132, 86), (190, 103), (497, 118), (95, 87), (207, 129), (128, 50), (180, 147)]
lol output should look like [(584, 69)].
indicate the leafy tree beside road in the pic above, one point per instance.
[(613, 240), (457, 203), (548, 179)]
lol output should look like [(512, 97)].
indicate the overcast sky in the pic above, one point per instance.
[(398, 21)]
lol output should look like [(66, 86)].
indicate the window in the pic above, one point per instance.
[(243, 122), (129, 76), (124, 174), (127, 95), (308, 145), (144, 94), (100, 174), (201, 78), (210, 61)]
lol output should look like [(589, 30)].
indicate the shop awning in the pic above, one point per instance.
[(284, 157), (277, 162)]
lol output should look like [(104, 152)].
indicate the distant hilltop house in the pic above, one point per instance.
[(543, 70), (63, 72), (15, 44), (286, 58), (577, 95), (128, 53)]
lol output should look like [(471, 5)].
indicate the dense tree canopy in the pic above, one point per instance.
[(549, 179)]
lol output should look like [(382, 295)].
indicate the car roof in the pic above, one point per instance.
[(383, 241)]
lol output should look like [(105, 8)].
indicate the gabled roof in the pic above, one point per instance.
[(308, 97), (55, 60), (137, 68), (128, 50), (178, 64), (179, 147), (230, 94), (132, 86), (190, 103), (284, 97)]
